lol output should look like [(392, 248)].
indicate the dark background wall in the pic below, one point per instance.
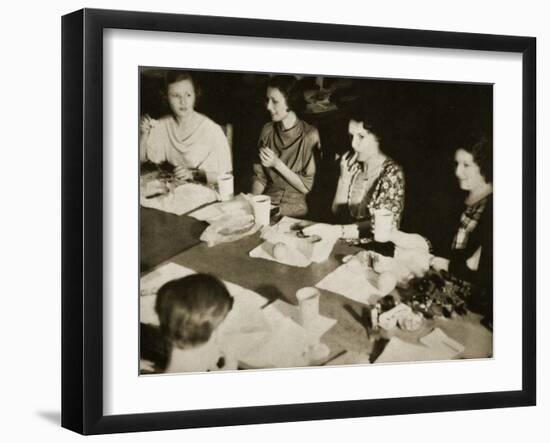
[(424, 122)]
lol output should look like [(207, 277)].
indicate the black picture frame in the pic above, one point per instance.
[(82, 220)]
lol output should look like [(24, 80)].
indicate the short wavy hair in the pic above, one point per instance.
[(174, 76), (291, 90), (190, 309), (375, 118), (481, 148)]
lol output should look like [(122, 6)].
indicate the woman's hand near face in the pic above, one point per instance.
[(268, 158), (145, 125), (348, 166)]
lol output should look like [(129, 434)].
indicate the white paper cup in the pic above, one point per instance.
[(383, 225), (261, 205), (225, 186), (308, 301)]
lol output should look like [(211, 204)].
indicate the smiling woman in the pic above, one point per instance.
[(188, 140), (471, 255)]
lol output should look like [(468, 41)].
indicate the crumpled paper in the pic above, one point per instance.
[(229, 228), (240, 205), (181, 200), (284, 244), (354, 280)]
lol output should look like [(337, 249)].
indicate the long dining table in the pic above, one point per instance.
[(166, 238)]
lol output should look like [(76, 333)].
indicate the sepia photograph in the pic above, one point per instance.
[(294, 220)]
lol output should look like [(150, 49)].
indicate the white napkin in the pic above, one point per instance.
[(239, 206), (352, 280), (296, 251), (435, 346), (182, 199), (398, 350), (438, 339), (287, 344), (315, 330), (292, 257)]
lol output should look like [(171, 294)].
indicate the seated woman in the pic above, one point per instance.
[(287, 145), (471, 254), (190, 141), (369, 180)]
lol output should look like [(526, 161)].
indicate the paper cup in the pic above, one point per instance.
[(261, 205), (308, 301), (383, 225), (225, 186)]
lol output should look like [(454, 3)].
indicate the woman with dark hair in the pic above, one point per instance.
[(188, 140), (286, 167), (471, 255), (369, 181)]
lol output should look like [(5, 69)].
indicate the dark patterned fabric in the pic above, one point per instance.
[(386, 192), (468, 222), (480, 237)]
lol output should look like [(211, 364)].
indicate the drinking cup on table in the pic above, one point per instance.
[(225, 186), (383, 225), (308, 301), (261, 205)]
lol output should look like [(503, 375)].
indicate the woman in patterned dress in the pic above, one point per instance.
[(369, 180)]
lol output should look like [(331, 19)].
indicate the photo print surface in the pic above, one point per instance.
[(295, 220)]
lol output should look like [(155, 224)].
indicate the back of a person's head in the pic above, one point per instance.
[(190, 309)]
